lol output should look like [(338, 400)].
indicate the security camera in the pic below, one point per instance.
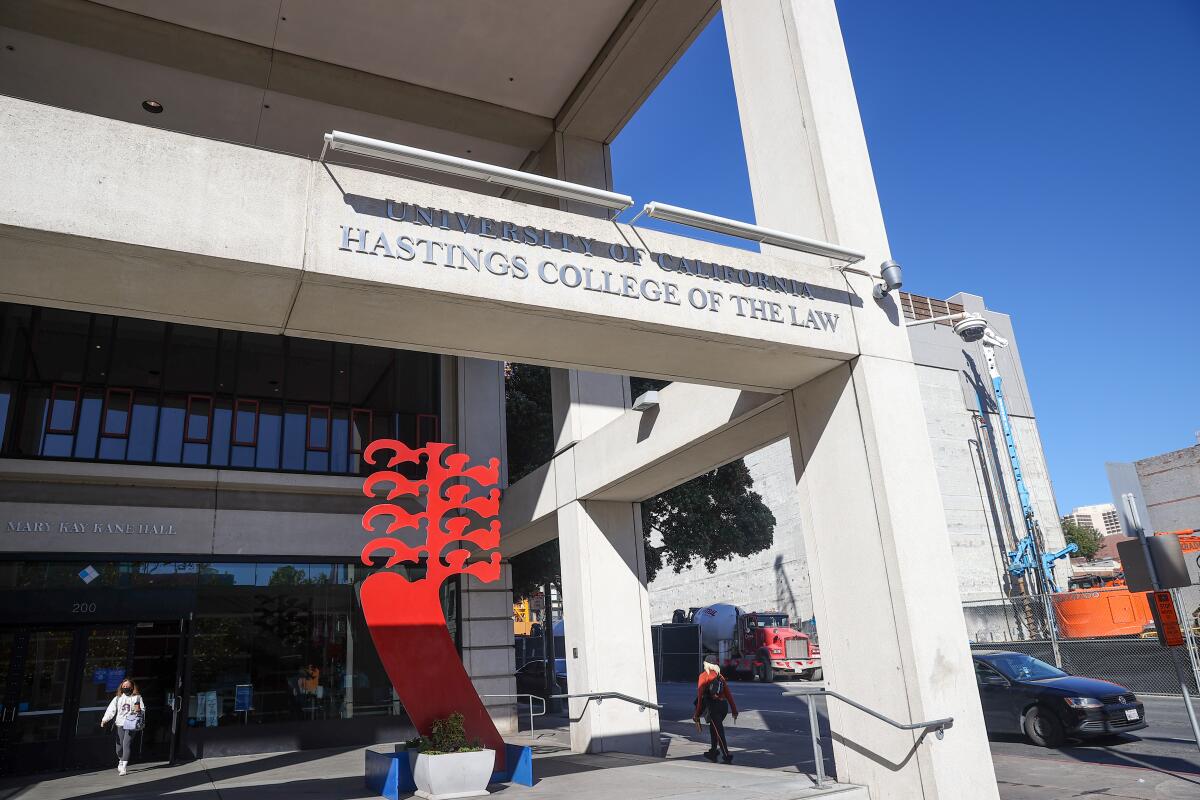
[(890, 271), (971, 328)]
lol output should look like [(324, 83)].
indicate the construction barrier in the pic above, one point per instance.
[(1105, 633)]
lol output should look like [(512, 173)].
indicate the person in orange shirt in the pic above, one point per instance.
[(714, 701)]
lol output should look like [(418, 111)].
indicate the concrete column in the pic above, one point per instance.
[(487, 645), (606, 613), (474, 389), (606, 608), (480, 423), (884, 588)]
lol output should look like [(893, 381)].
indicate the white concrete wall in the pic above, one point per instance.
[(774, 580)]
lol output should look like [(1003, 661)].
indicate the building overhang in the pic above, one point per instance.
[(107, 216)]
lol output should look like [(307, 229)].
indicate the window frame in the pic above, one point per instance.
[(233, 434), (108, 393), (187, 418), (74, 429)]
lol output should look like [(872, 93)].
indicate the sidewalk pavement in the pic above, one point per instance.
[(1049, 778), (337, 775), (683, 775)]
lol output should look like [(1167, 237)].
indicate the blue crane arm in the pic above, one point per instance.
[(1023, 559)]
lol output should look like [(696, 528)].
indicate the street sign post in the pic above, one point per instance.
[(1158, 609), (1166, 619)]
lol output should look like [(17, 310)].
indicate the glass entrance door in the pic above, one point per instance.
[(35, 698), (102, 664), (60, 681)]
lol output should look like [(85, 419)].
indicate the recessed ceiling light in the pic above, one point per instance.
[(153, 106)]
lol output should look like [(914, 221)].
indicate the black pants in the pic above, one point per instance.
[(717, 710), (124, 743)]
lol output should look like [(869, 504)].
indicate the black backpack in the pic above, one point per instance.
[(715, 688)]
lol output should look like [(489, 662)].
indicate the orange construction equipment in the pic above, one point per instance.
[(1089, 614), (1113, 610)]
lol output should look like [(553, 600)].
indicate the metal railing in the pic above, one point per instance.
[(938, 726), (600, 697), (531, 697)]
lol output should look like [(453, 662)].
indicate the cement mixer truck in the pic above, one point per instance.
[(756, 644)]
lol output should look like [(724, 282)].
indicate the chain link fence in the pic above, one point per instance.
[(1101, 633)]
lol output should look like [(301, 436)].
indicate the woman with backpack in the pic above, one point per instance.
[(127, 713), (714, 701)]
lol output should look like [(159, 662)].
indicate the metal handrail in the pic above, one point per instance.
[(531, 697), (938, 726), (600, 697)]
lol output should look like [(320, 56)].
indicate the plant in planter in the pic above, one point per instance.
[(445, 765)]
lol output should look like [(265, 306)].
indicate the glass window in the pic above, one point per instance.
[(226, 574), (170, 430), (83, 386), (191, 359), (260, 365), (143, 427), (309, 370), (60, 345), (138, 350), (15, 327), (99, 352), (88, 430)]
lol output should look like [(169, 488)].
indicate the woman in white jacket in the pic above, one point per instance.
[(125, 710)]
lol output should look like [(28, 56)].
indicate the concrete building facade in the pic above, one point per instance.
[(206, 319), (977, 489), (1101, 518), (1171, 486)]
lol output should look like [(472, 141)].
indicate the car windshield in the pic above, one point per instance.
[(1021, 667)]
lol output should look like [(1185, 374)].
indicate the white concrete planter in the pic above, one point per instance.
[(453, 774)]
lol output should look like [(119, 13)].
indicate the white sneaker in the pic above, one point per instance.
[(121, 767)]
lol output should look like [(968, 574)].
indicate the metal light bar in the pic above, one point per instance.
[(934, 320), (744, 230), (465, 167)]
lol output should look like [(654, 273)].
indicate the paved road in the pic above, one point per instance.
[(1158, 761)]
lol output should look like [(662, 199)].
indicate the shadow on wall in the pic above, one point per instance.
[(999, 502), (638, 742), (785, 598)]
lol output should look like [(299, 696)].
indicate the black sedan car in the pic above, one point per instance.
[(1021, 694), (531, 678)]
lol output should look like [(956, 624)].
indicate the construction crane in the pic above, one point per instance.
[(1029, 555)]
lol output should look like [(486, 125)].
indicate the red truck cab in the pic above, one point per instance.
[(770, 647)]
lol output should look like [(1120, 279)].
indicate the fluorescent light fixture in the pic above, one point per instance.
[(465, 167), (744, 230)]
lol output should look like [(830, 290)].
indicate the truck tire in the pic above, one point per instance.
[(816, 674), (766, 673)]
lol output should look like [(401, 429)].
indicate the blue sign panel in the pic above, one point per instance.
[(242, 695), (113, 677)]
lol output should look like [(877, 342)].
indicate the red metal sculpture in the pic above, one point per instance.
[(405, 616)]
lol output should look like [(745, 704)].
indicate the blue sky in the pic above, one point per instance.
[(1045, 155)]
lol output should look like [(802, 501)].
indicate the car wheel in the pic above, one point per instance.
[(1043, 728)]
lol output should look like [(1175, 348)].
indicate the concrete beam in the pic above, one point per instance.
[(169, 226), (650, 39), (640, 454)]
